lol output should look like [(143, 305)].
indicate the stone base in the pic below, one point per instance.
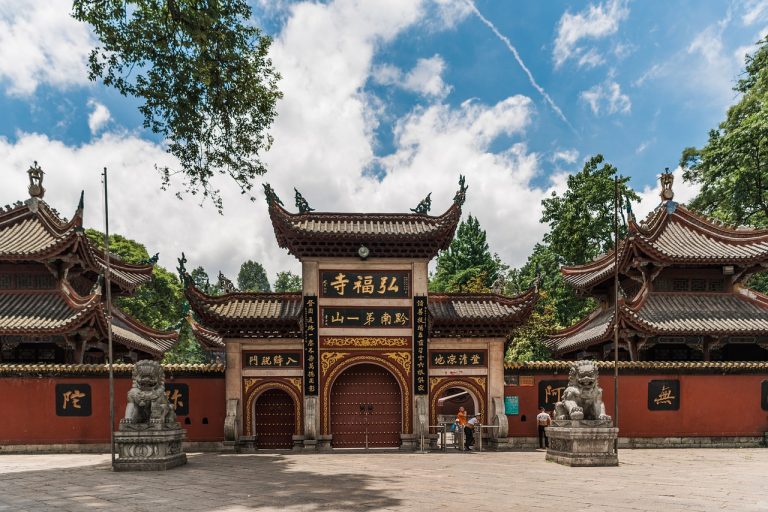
[(409, 443), (324, 443), (310, 445), (149, 450), (582, 444), (298, 443)]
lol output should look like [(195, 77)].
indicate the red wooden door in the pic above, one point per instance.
[(274, 420), (377, 391)]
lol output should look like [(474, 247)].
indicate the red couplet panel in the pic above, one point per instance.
[(54, 410), (707, 405)]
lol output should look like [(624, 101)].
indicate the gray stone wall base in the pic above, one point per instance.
[(505, 444), (31, 449), (298, 443), (310, 445), (149, 450), (694, 442), (582, 446), (409, 443)]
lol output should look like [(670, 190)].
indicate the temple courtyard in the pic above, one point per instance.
[(653, 480)]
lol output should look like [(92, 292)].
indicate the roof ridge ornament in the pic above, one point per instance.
[(36, 174), (271, 195), (225, 284), (461, 194), (424, 206), (151, 261), (301, 203), (186, 279), (667, 179)]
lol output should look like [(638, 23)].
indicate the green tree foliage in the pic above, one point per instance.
[(202, 281), (288, 282), (203, 74), (467, 265), (732, 167), (160, 303), (527, 342), (252, 277), (581, 221)]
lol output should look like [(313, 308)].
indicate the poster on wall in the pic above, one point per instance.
[(511, 405), (73, 400), (310, 346), (663, 395), (420, 330), (178, 396), (551, 392)]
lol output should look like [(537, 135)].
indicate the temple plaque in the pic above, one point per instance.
[(458, 358), (73, 400), (664, 395), (551, 392), (368, 284), (420, 330), (367, 316), (178, 396), (271, 359), (311, 374)]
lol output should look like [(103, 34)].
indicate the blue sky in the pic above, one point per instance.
[(386, 101)]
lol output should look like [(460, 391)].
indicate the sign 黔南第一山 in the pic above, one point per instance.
[(333, 316), (373, 284)]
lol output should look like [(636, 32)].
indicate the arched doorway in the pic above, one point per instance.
[(274, 419), (451, 399), (366, 402)]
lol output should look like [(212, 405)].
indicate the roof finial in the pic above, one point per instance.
[(424, 206), (302, 203), (186, 279), (667, 178), (36, 181), (461, 194), (271, 195)]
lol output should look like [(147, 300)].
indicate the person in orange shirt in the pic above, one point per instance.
[(461, 417)]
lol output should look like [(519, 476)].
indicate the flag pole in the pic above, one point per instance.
[(108, 285), (616, 307)]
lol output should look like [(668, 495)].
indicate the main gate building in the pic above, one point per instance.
[(364, 354)]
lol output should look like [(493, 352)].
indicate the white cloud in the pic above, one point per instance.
[(595, 22), (644, 145), (99, 116), (607, 98), (40, 43), (649, 196), (591, 59), (568, 156), (651, 73), (754, 11), (425, 78)]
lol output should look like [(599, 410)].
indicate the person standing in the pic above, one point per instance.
[(469, 433), (543, 421), (460, 423)]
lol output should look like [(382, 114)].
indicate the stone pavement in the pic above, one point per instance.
[(646, 480)]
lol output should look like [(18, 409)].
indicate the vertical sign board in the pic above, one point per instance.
[(663, 395), (420, 329), (764, 395), (551, 392), (311, 376), (511, 405)]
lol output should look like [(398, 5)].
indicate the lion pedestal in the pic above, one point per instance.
[(149, 437), (581, 433)]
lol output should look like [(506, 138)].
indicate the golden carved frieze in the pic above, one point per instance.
[(364, 342), (480, 382), (328, 359), (296, 381), (401, 358), (434, 381)]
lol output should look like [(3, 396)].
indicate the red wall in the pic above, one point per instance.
[(710, 405), (28, 410)]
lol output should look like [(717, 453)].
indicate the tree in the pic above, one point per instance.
[(732, 167), (288, 282), (252, 277), (581, 221), (202, 282), (467, 265), (528, 341), (203, 74)]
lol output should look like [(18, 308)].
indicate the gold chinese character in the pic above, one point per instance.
[(439, 359), (401, 319), (364, 284), (451, 359), (392, 287), (74, 397), (337, 318), (277, 360), (266, 361), (310, 302), (475, 358), (369, 319), (463, 359), (386, 319), (174, 398), (340, 283), (291, 361), (253, 361), (555, 393), (665, 396)]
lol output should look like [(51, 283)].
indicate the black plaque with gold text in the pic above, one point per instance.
[(420, 330), (663, 395), (271, 359), (551, 392), (764, 395), (178, 396), (73, 400), (366, 316), (457, 358), (311, 376), (365, 284)]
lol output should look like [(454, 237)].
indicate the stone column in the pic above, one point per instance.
[(233, 426)]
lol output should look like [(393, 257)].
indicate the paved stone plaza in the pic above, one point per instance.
[(652, 480)]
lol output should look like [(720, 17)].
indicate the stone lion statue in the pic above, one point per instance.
[(583, 398), (148, 405)]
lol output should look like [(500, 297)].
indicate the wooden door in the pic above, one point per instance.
[(274, 420), (366, 399)]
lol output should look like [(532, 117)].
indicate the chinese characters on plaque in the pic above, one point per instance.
[(370, 284), (663, 395), (551, 392), (73, 400), (311, 373), (370, 316), (420, 330), (474, 358), (262, 359), (178, 396)]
